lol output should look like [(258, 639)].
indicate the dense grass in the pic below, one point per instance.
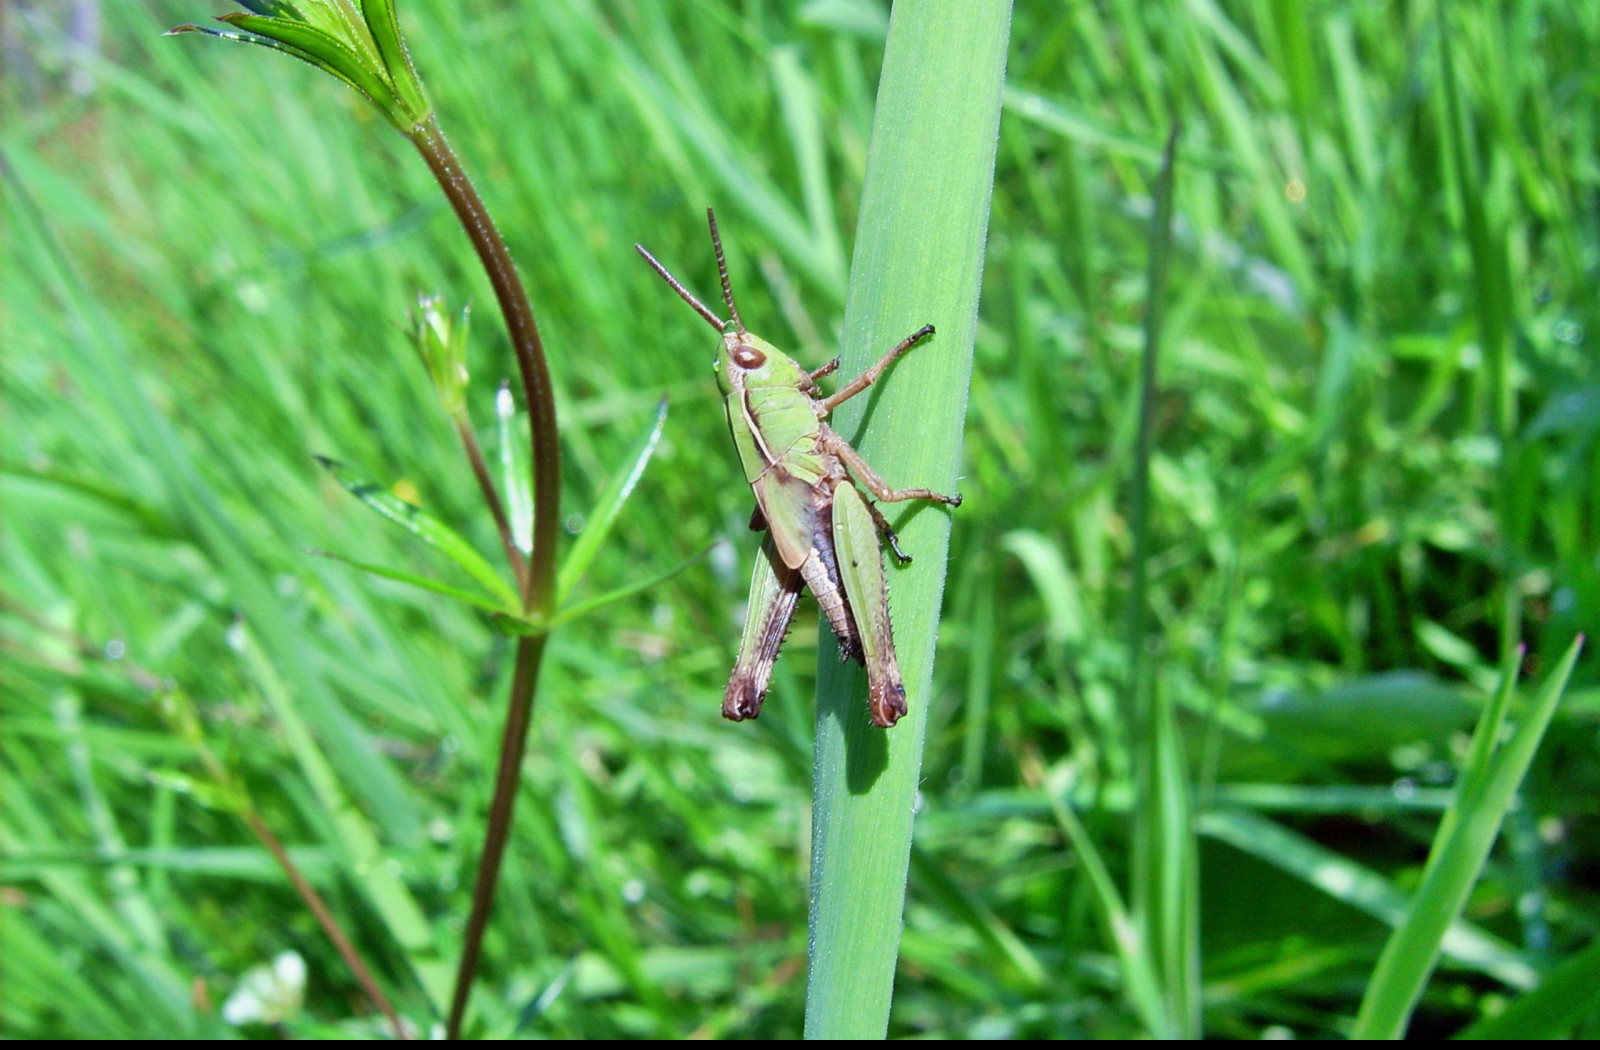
[(1373, 435)]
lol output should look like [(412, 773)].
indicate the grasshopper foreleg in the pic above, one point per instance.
[(870, 376)]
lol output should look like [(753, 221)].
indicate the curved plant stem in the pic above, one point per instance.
[(538, 587), (530, 652), (538, 582)]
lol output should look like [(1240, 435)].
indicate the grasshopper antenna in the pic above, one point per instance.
[(722, 269), (683, 293)]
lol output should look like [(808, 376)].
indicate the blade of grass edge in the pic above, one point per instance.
[(918, 259)]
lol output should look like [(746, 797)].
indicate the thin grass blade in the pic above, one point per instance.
[(1453, 866)]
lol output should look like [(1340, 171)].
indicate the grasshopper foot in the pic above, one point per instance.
[(887, 702), (894, 544), (742, 701)]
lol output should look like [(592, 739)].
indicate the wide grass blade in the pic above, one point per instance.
[(918, 259)]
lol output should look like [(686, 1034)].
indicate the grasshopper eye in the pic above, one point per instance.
[(749, 357)]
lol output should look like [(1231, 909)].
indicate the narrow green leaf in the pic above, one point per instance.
[(326, 52), (472, 598), (607, 507), (274, 9), (384, 26), (1479, 763), (343, 20), (260, 41), (426, 528), (584, 608)]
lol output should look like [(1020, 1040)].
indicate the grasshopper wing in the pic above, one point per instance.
[(774, 592), (855, 540), (790, 508)]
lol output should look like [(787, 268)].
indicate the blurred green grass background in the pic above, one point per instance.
[(208, 259)]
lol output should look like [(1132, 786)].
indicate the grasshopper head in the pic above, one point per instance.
[(747, 361)]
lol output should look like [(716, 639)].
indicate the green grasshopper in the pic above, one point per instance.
[(821, 531)]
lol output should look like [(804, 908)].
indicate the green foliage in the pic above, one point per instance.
[(357, 41), (208, 259)]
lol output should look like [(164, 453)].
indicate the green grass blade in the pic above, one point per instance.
[(1494, 300), (590, 605), (1001, 940), (1164, 893), (1361, 888), (1141, 985), (919, 257), (1453, 866), (381, 881)]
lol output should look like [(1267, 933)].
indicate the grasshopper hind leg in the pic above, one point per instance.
[(774, 593), (860, 556)]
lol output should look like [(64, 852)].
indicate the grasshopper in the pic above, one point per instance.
[(821, 531)]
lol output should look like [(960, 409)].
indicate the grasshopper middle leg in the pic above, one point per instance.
[(832, 442)]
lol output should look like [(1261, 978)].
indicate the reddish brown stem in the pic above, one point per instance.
[(330, 926), (530, 652), (538, 594), (491, 496), (538, 582)]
